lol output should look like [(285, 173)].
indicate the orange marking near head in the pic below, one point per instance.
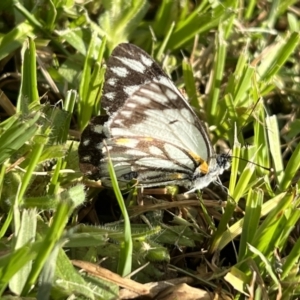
[(196, 157), (204, 167)]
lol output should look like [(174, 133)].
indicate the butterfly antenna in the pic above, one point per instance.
[(249, 115), (253, 163), (240, 131)]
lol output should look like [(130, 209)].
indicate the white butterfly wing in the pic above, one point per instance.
[(152, 134)]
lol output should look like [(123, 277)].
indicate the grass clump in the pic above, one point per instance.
[(239, 66)]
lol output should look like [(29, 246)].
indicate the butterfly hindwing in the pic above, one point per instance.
[(150, 161), (89, 151), (155, 111)]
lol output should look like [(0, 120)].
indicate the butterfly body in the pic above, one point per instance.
[(151, 133)]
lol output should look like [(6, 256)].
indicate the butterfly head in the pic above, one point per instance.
[(208, 173), (223, 161)]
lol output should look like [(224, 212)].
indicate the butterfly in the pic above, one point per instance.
[(150, 132)]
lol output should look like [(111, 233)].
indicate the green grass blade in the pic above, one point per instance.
[(90, 85), (14, 39), (190, 84), (29, 93), (236, 152), (291, 260), (163, 46), (260, 140), (267, 264), (291, 169), (197, 22), (240, 188), (71, 280), (120, 18), (251, 220), (125, 261), (243, 182), (47, 274), (275, 150), (217, 76), (166, 16), (25, 234), (288, 47), (236, 229), (17, 135), (74, 197), (12, 263), (271, 228)]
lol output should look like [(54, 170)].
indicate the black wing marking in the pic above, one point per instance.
[(89, 152), (128, 66)]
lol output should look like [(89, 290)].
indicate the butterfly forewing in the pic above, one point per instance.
[(152, 134), (128, 68)]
